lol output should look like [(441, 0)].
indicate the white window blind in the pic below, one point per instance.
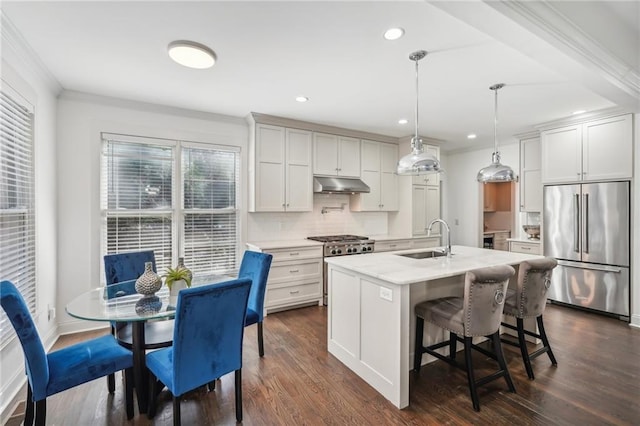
[(17, 204), (175, 198)]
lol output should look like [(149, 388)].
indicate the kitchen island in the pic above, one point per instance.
[(371, 300)]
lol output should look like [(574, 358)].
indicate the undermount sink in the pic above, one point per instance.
[(424, 254)]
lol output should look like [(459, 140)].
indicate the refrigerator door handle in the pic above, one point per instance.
[(585, 242), (576, 223), (606, 268)]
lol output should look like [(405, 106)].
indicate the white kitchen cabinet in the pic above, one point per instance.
[(530, 175), (596, 150), (280, 172), (336, 155), (426, 207), (406, 244), (295, 277), (379, 162), (524, 247), (500, 240), (432, 179)]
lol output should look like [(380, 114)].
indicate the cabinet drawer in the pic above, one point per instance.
[(426, 243), (295, 253), (393, 245), (295, 270), (529, 248), (500, 237), (292, 294)]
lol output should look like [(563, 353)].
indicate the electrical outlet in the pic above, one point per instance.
[(386, 294), (51, 313)]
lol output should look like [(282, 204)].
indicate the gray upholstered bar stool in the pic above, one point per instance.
[(478, 313), (528, 300)]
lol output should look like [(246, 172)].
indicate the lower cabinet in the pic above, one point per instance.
[(500, 241), (406, 244), (295, 278), (524, 247)]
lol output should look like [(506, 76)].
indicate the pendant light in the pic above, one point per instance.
[(418, 162), (496, 172)]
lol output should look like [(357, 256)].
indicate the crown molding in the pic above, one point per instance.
[(553, 25), (581, 118), (13, 39), (256, 117)]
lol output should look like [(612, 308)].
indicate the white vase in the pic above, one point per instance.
[(176, 286)]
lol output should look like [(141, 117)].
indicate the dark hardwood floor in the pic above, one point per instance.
[(597, 382)]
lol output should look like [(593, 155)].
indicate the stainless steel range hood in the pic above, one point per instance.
[(338, 185)]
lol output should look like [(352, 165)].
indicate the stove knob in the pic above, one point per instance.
[(370, 248), (333, 252), (348, 250), (339, 251), (355, 250)]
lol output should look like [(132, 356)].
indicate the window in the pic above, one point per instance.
[(172, 197), (17, 204)]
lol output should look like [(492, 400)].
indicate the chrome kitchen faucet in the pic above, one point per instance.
[(447, 249)]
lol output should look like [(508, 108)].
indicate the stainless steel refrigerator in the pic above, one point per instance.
[(586, 227)]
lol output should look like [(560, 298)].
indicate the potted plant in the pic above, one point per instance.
[(176, 279)]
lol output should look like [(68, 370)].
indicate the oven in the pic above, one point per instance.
[(341, 245), (488, 241)]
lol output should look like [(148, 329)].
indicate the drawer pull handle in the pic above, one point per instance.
[(525, 248), (294, 254), (293, 271), (392, 245), (294, 291)]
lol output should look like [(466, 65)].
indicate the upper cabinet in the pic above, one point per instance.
[(379, 162), (336, 155), (596, 150), (280, 170), (530, 175)]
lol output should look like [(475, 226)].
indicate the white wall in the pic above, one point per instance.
[(461, 191), (81, 119), (25, 75)]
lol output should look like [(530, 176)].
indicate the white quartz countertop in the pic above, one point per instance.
[(266, 245), (390, 267)]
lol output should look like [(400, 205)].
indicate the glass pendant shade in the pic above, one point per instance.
[(496, 171), (417, 162)]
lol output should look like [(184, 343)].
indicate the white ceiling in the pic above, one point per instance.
[(332, 52)]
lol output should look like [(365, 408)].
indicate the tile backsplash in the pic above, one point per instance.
[(292, 226)]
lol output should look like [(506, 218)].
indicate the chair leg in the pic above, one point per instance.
[(128, 386), (153, 391), (238, 375), (211, 385), (453, 340), (41, 412), (470, 376), (523, 348), (260, 340), (176, 411), (111, 383), (545, 341), (418, 349), (497, 349), (28, 414)]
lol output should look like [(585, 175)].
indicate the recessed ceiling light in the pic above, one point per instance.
[(393, 33), (191, 54), (403, 121), (302, 98), (580, 111), (471, 136)]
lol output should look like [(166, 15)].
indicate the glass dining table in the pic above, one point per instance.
[(117, 303)]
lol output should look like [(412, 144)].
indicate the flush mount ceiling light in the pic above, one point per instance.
[(417, 162), (580, 111), (191, 54), (403, 121), (393, 33), (496, 172), (471, 136), (302, 98)]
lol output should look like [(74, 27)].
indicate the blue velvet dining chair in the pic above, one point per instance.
[(207, 343), (48, 374), (124, 268), (255, 266)]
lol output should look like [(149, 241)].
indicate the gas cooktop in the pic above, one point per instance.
[(337, 238)]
